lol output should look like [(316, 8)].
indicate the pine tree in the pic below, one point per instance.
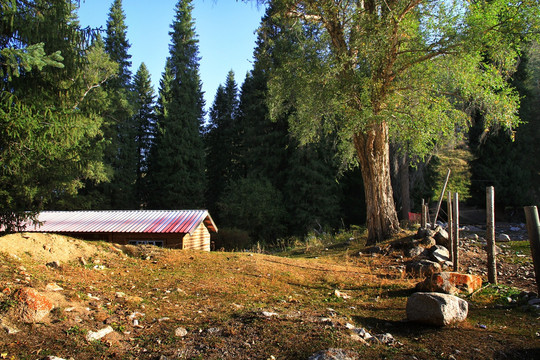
[(220, 140), (144, 120), (177, 171)]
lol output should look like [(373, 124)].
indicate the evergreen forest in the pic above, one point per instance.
[(276, 153)]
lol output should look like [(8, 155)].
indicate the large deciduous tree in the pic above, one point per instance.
[(371, 70)]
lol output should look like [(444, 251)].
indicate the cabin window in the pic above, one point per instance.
[(158, 243)]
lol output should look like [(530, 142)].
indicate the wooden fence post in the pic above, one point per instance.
[(533, 228), (423, 216), (490, 235), (455, 207), (450, 226)]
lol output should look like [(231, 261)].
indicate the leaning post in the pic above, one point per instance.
[(490, 235), (440, 200), (533, 228)]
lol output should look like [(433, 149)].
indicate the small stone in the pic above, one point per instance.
[(503, 238), (269, 314), (363, 333), (96, 335), (213, 330), (340, 294), (54, 264), (386, 339), (11, 330), (439, 254), (180, 332), (53, 287)]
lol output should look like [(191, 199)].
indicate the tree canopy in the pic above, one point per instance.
[(408, 69)]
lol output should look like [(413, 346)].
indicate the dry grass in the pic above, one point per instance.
[(220, 299)]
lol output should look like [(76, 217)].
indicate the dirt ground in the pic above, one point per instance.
[(240, 305)]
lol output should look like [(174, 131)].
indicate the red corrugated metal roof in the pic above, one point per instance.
[(122, 221)]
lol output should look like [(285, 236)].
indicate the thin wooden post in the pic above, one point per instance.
[(455, 207), (450, 226), (441, 199), (490, 235), (423, 221), (533, 228)]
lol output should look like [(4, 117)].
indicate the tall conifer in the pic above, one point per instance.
[(177, 171), (220, 140), (50, 116), (144, 120), (120, 128)]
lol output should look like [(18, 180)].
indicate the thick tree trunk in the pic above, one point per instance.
[(373, 153)]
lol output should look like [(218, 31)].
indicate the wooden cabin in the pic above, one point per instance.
[(179, 229)]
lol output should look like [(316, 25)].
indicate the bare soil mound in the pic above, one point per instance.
[(47, 247)]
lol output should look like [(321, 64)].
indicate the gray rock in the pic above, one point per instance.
[(439, 254), (428, 242), (441, 236), (424, 232), (414, 251), (436, 309), (503, 238), (534, 301), (386, 339), (333, 354), (423, 268)]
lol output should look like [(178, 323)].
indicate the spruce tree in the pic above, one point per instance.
[(120, 129), (49, 116), (177, 171), (144, 120), (117, 45), (311, 189), (220, 140)]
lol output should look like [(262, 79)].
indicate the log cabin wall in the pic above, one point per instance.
[(198, 240)]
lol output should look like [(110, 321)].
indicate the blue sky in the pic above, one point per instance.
[(225, 29)]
